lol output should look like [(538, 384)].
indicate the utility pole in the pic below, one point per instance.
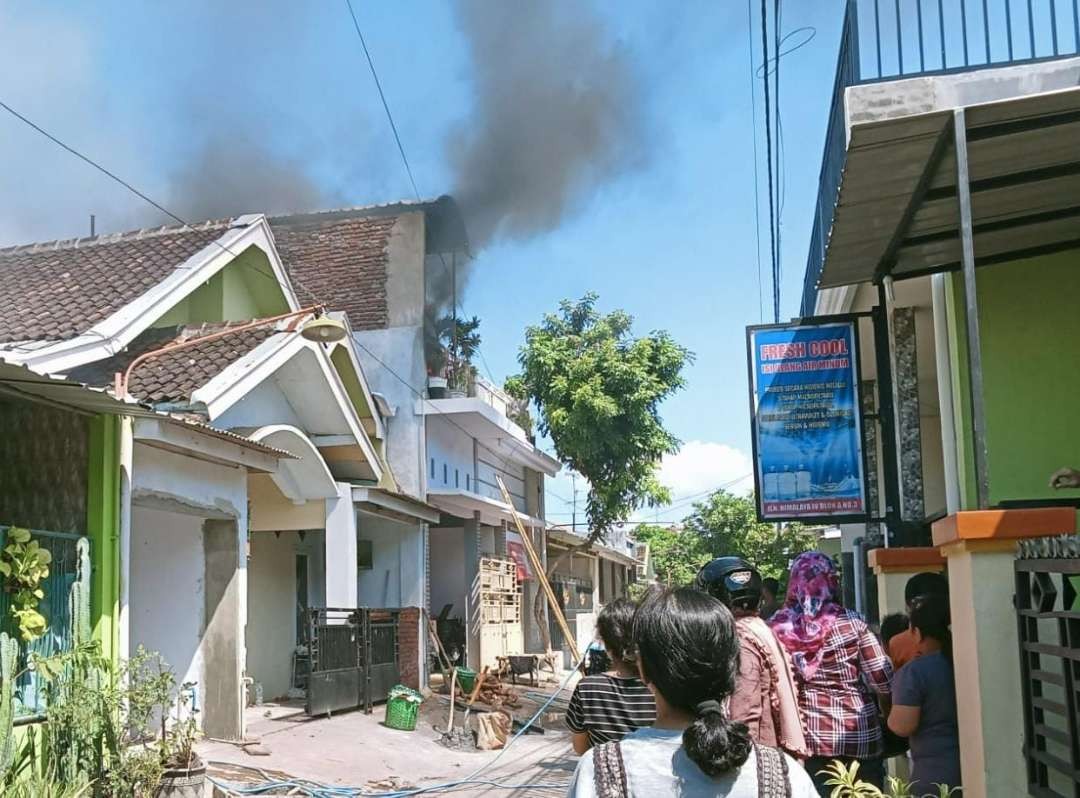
[(573, 515)]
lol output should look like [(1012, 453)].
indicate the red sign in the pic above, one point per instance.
[(516, 550)]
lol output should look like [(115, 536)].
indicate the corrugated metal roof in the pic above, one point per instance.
[(1024, 165)]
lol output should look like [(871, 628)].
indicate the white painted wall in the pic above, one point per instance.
[(450, 455), (402, 350), (489, 465), (447, 569), (266, 404), (381, 586), (167, 591), (160, 476), (271, 630), (340, 551)]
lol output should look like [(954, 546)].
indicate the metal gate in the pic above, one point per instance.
[(1048, 619), (354, 658)]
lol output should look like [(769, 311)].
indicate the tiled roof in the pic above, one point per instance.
[(173, 377), (60, 289), (339, 259)]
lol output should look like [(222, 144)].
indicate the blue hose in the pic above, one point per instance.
[(313, 790)]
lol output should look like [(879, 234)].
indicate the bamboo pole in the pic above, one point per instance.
[(538, 567)]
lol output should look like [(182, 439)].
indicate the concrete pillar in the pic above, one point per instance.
[(597, 565), (472, 568), (222, 690), (980, 547), (894, 567), (341, 573)]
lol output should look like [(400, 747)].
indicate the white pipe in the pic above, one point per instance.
[(127, 460), (943, 357)]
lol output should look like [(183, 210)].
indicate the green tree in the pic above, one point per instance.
[(727, 524), (598, 392), (676, 555)]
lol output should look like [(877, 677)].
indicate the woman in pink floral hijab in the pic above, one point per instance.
[(839, 665), (811, 607)]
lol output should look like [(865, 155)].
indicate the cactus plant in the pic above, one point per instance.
[(79, 595)]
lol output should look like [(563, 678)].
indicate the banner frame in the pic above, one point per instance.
[(810, 321)]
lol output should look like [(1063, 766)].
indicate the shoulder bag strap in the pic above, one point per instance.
[(772, 773), (609, 772)]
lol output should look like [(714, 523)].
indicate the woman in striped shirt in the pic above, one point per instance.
[(608, 706)]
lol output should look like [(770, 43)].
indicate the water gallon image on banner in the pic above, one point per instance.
[(805, 409)]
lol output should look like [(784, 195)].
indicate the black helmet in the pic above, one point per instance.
[(732, 580)]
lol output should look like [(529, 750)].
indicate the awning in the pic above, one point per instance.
[(397, 506), (897, 210), (465, 504)]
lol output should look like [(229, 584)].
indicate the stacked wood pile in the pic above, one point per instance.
[(497, 694)]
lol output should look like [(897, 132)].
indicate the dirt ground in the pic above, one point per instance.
[(356, 750)]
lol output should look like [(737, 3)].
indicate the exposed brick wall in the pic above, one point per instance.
[(409, 646)]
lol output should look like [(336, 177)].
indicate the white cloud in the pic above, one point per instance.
[(702, 466)]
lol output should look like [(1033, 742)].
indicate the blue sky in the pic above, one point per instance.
[(143, 87)]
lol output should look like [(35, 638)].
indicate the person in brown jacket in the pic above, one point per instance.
[(765, 697)]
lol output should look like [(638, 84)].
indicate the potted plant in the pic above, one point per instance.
[(183, 774), (460, 341), (24, 565)]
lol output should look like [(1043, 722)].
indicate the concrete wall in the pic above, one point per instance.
[(448, 585), (490, 465), (381, 586), (265, 404), (167, 589), (271, 511), (451, 456), (271, 630), (896, 98), (223, 638), (402, 350)]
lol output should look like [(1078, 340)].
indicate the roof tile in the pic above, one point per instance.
[(61, 289)]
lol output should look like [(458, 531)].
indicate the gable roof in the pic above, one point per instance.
[(339, 261), (61, 289), (172, 377)]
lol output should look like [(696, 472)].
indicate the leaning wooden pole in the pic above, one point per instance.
[(538, 567)]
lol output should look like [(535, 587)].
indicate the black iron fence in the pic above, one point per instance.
[(1048, 619), (892, 39)]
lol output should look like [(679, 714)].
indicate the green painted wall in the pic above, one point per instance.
[(103, 528), (961, 381), (1029, 313), (351, 380), (245, 289)]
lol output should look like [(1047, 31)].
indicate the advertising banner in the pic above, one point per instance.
[(804, 407), (515, 548)]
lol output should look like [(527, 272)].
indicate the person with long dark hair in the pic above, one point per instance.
[(840, 666), (688, 655), (924, 699), (610, 704)]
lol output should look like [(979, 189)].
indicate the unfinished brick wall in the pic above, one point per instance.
[(409, 647)]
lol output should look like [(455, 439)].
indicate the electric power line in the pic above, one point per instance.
[(768, 156), (382, 96), (753, 122)]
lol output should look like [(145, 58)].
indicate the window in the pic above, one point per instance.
[(432, 468), (444, 473), (457, 478), (365, 555), (467, 486)]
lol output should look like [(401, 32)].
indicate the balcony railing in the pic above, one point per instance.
[(892, 39)]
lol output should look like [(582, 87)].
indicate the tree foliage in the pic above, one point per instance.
[(675, 555), (726, 524), (598, 391)]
